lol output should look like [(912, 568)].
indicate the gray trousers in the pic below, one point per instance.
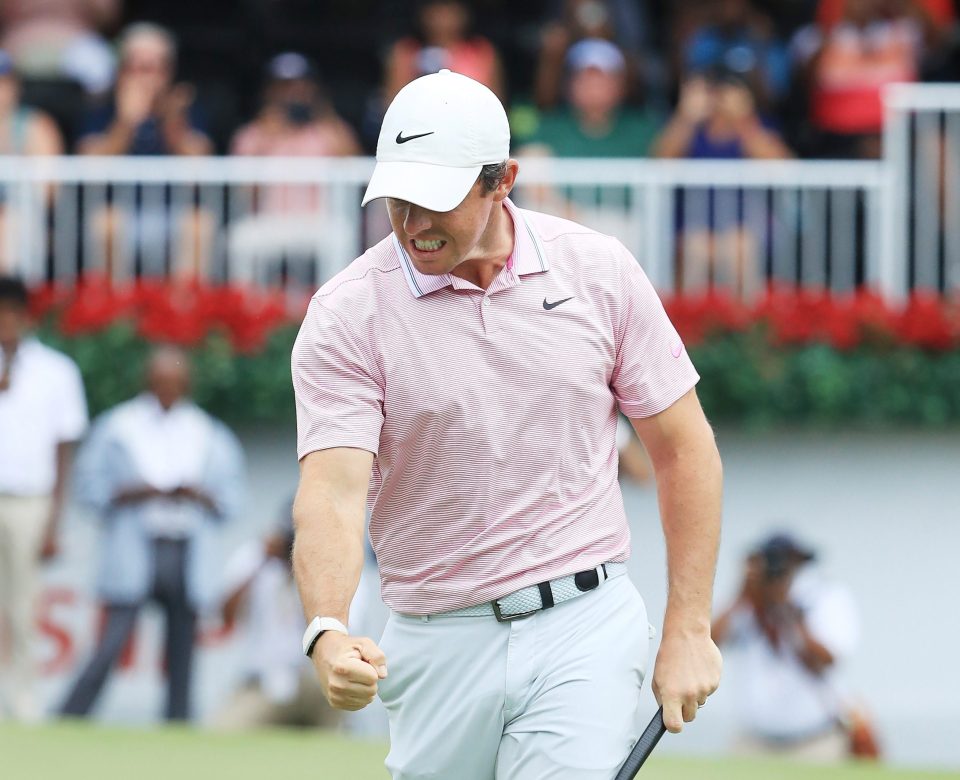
[(169, 591)]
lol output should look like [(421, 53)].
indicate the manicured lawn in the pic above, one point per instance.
[(73, 751)]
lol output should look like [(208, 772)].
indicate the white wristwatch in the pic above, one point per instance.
[(316, 629)]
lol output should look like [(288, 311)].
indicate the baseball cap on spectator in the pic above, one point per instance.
[(438, 133), (596, 53), (290, 66), (786, 547)]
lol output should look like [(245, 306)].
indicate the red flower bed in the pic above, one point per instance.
[(182, 314), (798, 317), (186, 313)]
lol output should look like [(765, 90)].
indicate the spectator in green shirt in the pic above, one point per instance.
[(595, 123)]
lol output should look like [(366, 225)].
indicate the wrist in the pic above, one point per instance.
[(686, 626), (317, 629)]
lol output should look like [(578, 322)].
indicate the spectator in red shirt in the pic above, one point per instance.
[(941, 12), (846, 66)]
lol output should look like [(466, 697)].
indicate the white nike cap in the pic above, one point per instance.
[(437, 134)]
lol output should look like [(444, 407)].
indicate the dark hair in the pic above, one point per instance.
[(491, 175), (13, 290)]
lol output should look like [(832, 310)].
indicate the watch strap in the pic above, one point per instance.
[(318, 626)]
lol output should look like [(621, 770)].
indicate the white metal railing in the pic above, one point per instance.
[(219, 218), (694, 224), (260, 220), (922, 152), (892, 224)]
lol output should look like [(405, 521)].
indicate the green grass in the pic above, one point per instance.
[(76, 751)]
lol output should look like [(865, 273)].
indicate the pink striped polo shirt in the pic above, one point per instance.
[(492, 413)]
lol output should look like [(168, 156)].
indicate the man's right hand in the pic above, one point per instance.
[(349, 668)]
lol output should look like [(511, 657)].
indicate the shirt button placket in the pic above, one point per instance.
[(485, 314)]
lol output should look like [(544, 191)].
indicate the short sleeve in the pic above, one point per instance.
[(95, 467), (339, 401), (71, 409), (652, 369)]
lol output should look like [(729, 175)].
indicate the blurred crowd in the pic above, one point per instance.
[(726, 79), (615, 78)]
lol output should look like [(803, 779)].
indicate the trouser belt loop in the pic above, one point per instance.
[(546, 594)]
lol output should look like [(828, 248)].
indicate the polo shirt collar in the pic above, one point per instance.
[(528, 257)]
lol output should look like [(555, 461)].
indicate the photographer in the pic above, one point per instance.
[(792, 630), (277, 686)]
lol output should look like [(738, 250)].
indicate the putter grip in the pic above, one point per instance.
[(644, 747)]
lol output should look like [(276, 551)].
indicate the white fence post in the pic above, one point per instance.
[(890, 274), (654, 219)]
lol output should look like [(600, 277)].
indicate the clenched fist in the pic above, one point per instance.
[(349, 668)]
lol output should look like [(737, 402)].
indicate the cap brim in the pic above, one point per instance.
[(433, 187)]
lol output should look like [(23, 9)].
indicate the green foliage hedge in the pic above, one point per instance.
[(746, 378), (236, 386)]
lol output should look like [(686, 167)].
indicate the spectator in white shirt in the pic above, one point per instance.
[(793, 630), (42, 412), (162, 474)]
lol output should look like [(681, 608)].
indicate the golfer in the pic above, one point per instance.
[(473, 363)]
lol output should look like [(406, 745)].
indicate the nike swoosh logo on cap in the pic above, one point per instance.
[(402, 140)]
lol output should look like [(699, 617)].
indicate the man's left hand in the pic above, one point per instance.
[(687, 671)]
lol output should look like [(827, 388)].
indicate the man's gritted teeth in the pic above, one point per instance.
[(432, 245)]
